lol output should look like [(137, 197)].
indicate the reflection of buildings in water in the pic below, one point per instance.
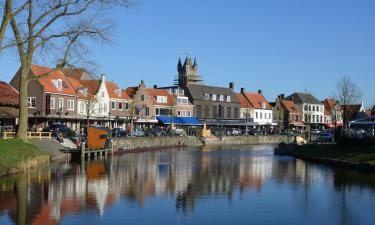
[(254, 171)]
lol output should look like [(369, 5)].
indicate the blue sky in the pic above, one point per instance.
[(279, 46)]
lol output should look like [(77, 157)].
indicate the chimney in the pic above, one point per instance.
[(231, 86), (242, 90), (155, 86), (259, 91), (142, 84), (282, 96), (102, 77), (279, 97)]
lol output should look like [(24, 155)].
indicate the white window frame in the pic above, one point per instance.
[(162, 99), (30, 102), (61, 104), (189, 113), (229, 99), (70, 105), (52, 106), (113, 103), (214, 97), (221, 98)]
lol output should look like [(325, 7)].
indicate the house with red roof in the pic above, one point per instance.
[(8, 104), (332, 113), (51, 98), (287, 114), (256, 107)]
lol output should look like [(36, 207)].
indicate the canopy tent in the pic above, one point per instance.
[(191, 121)]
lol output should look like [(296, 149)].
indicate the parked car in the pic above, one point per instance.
[(234, 132), (138, 133), (119, 132), (60, 128), (326, 137), (315, 131), (178, 132)]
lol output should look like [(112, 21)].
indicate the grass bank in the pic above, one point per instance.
[(354, 157), (17, 156)]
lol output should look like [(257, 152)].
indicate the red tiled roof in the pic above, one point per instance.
[(256, 100), (74, 73), (8, 95), (329, 104), (91, 85), (47, 83), (112, 87), (161, 92), (130, 91), (290, 106), (243, 101)]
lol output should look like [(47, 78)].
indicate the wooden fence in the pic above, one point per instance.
[(30, 135)]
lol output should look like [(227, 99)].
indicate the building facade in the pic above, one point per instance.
[(287, 115), (312, 109)]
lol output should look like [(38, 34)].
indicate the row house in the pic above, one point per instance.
[(257, 108), (332, 113), (214, 105), (286, 114), (182, 106), (8, 105), (100, 101), (312, 109), (149, 103), (50, 98)]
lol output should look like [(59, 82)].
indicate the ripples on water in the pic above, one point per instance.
[(231, 185)]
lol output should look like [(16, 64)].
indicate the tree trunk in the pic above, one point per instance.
[(23, 105)]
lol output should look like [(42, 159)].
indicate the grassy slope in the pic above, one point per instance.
[(13, 152), (352, 154)]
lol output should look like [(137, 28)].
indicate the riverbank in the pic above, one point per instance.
[(141, 143), (353, 157), (17, 156)]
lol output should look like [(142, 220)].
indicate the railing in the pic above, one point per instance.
[(30, 135), (9, 134)]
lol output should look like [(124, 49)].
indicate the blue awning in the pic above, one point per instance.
[(193, 121)]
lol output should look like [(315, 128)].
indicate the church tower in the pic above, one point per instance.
[(188, 73)]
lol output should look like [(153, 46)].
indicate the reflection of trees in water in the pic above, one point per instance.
[(187, 175)]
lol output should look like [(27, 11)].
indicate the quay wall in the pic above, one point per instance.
[(188, 141)]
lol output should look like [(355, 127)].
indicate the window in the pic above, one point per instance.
[(199, 111), (162, 99), (229, 99), (31, 102), (221, 98), (147, 112), (102, 94), (61, 104), (207, 111), (70, 105), (82, 107), (214, 111), (213, 97), (59, 84), (142, 98), (189, 113), (183, 113), (182, 100), (229, 112), (313, 108), (52, 103), (179, 113), (309, 107), (105, 107), (305, 108), (256, 115), (236, 115), (261, 115), (100, 108), (206, 97), (221, 111), (113, 105), (120, 105), (126, 105)]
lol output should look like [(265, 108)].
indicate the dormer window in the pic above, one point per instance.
[(161, 99), (58, 84), (221, 98), (228, 99), (118, 92), (263, 105), (213, 97), (206, 96)]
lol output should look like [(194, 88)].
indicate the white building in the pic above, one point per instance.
[(255, 107), (311, 108)]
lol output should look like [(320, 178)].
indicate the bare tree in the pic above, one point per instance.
[(132, 110), (347, 94), (89, 108), (58, 27)]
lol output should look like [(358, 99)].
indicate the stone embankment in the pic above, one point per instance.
[(347, 156), (129, 144)]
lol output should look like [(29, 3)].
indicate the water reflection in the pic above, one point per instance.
[(189, 178)]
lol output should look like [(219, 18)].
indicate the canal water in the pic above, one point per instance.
[(229, 185)]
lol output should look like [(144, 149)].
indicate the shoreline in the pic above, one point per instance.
[(18, 157), (358, 158)]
